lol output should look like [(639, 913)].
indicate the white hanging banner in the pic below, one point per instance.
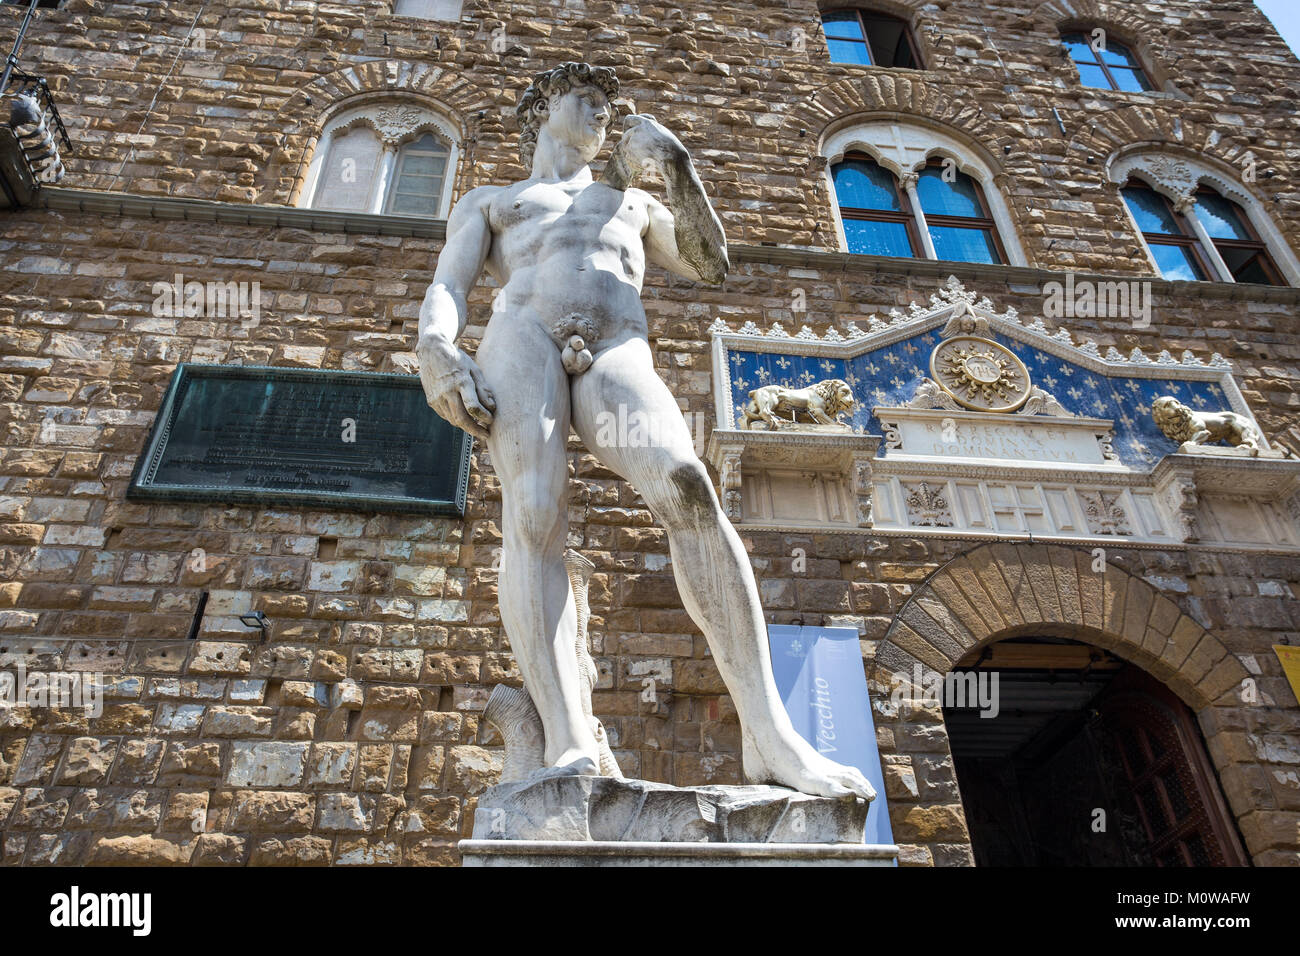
[(822, 683)]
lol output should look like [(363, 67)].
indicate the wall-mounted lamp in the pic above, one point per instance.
[(254, 619)]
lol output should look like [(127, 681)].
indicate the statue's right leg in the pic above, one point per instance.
[(527, 442)]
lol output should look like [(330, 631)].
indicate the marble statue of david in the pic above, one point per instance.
[(566, 342)]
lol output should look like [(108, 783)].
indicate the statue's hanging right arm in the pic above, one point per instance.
[(453, 383)]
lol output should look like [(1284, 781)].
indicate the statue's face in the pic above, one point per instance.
[(579, 118), (845, 396)]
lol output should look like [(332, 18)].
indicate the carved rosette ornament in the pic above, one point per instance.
[(394, 122), (980, 374), (1175, 175)]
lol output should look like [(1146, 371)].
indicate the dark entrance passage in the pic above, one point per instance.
[(1089, 762)]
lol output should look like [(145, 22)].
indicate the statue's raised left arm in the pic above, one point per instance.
[(687, 240)]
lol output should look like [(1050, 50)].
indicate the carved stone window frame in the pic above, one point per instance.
[(1177, 177), (904, 146), (396, 120)]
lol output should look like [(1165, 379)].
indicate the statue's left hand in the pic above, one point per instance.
[(646, 144)]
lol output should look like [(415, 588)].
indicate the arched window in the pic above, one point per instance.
[(1206, 236), (877, 215), (418, 178), (935, 212), (956, 214), (1169, 236), (862, 36), (1105, 64), (391, 158), (1231, 235)]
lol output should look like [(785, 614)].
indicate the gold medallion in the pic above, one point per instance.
[(980, 374)]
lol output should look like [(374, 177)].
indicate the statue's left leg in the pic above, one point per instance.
[(712, 569)]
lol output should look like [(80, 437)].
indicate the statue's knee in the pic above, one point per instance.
[(691, 495), (534, 520)]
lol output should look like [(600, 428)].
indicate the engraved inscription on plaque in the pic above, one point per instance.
[(1040, 440), (357, 440)]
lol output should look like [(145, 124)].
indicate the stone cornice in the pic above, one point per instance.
[(985, 274), (319, 220), (242, 214)]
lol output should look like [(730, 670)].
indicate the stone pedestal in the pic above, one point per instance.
[(566, 820), (611, 853)]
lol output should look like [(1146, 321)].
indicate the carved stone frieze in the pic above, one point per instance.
[(926, 506), (1104, 514), (862, 489)]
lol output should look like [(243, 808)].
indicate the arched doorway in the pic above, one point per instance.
[(1085, 760), (998, 592)]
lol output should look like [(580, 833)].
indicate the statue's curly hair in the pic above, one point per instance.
[(559, 80)]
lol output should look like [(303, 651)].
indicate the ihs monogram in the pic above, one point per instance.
[(980, 374)]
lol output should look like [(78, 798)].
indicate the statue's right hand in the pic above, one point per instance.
[(454, 386)]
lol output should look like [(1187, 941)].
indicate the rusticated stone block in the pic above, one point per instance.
[(141, 850), (220, 849), (191, 763), (275, 810), (88, 760), (267, 764), (296, 851)]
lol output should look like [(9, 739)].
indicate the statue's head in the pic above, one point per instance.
[(574, 102)]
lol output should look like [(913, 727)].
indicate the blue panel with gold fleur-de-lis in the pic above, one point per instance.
[(888, 376)]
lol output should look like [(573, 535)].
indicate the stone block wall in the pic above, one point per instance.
[(351, 735), (749, 89)]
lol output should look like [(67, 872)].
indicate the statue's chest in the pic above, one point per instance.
[(545, 203)]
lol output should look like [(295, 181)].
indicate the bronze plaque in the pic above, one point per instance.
[(352, 440)]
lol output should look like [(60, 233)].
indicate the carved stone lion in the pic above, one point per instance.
[(1183, 425), (823, 402)]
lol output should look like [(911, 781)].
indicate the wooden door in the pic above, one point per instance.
[(1168, 774)]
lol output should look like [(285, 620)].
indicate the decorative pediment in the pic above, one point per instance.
[(394, 123), (886, 360), (991, 425)]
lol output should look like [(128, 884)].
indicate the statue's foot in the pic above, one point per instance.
[(794, 763), (576, 762)]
